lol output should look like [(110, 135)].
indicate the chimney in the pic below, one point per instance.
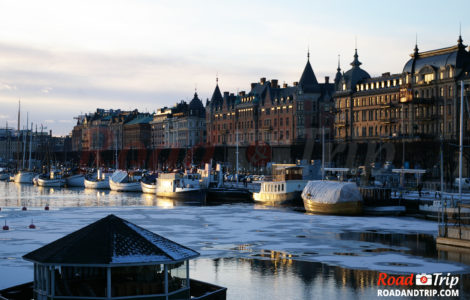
[(226, 94), (327, 79), (262, 80), (253, 84), (296, 83), (284, 85), (274, 83), (242, 93), (386, 74)]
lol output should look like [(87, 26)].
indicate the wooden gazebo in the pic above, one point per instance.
[(115, 259)]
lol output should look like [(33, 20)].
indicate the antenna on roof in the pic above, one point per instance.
[(217, 78), (460, 28), (195, 88), (308, 52), (355, 42)]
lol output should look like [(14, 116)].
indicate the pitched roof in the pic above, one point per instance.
[(216, 96), (308, 81), (109, 241)]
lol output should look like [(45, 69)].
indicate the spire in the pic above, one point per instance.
[(356, 62), (308, 79), (308, 53), (416, 50), (339, 68), (338, 73)]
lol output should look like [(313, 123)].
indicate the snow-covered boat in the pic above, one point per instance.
[(332, 197), (24, 177), (120, 181), (178, 186), (77, 180)]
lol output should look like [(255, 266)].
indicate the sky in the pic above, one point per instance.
[(66, 58)]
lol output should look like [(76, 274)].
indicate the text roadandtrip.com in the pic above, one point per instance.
[(447, 283)]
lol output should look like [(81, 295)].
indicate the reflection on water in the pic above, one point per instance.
[(242, 231), (277, 276), (415, 244)]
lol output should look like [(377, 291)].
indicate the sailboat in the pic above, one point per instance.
[(24, 176), (98, 180)]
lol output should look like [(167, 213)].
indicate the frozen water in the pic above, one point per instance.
[(241, 232)]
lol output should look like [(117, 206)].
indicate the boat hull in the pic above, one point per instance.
[(189, 194), (148, 188), (349, 208), (24, 177), (4, 177), (76, 181), (51, 182), (279, 198), (125, 186), (222, 195), (98, 185)]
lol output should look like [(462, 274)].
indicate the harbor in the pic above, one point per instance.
[(287, 252)]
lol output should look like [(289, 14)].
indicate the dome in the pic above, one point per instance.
[(196, 107), (355, 74)]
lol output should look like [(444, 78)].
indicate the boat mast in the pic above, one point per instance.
[(18, 137), (461, 140), (322, 153), (116, 151), (237, 153), (30, 146), (25, 139)]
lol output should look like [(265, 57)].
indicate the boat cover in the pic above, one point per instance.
[(331, 192)]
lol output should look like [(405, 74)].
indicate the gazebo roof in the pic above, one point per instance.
[(111, 241)]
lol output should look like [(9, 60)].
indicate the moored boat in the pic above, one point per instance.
[(120, 181), (332, 197), (149, 184), (24, 177), (51, 180), (180, 186), (288, 183), (77, 180)]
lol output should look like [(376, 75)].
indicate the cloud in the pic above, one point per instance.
[(6, 87), (65, 121), (46, 90), (4, 116), (49, 121)]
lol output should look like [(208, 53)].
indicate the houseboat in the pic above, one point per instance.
[(113, 259), (288, 182)]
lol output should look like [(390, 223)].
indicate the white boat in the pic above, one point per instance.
[(178, 186), (332, 197), (24, 177), (121, 182), (149, 184), (288, 182), (77, 180), (53, 180), (102, 184), (99, 181), (35, 179)]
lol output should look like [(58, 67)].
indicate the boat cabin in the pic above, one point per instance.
[(115, 259), (287, 172)]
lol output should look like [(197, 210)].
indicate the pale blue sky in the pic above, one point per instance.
[(66, 57)]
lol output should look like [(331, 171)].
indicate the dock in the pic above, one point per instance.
[(454, 230)]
